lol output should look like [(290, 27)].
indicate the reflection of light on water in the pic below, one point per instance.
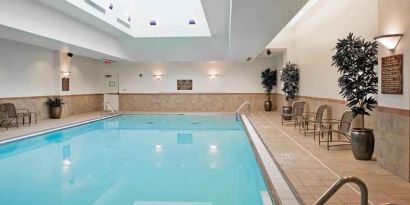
[(213, 148), (66, 163), (158, 147), (212, 165)]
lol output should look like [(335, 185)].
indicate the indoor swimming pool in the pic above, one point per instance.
[(143, 159)]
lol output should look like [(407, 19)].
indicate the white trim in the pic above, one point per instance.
[(35, 134), (280, 185)]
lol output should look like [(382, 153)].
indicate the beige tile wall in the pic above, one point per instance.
[(190, 102), (75, 104)]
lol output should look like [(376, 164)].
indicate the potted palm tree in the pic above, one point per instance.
[(55, 106), (290, 79), (269, 80), (356, 59)]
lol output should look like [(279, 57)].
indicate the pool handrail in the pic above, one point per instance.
[(364, 195)]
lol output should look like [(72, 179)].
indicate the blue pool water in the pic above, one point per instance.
[(135, 160)]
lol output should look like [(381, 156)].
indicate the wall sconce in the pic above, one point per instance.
[(65, 74), (390, 41), (158, 77), (213, 76)]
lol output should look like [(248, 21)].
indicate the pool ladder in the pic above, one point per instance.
[(364, 194), (110, 107), (240, 108)]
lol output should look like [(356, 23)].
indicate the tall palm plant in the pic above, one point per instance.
[(269, 80), (356, 59)]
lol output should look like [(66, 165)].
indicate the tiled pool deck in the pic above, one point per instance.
[(310, 168)]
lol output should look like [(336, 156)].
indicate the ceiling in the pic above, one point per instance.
[(224, 30)]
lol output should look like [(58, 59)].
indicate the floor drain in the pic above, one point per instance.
[(150, 123), (195, 123), (285, 156)]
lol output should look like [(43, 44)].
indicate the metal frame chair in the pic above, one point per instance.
[(314, 118), (296, 115), (13, 114), (343, 128)]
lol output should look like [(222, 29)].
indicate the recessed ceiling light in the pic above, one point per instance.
[(153, 22), (192, 22)]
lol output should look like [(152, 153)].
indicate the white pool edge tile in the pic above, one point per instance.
[(285, 193), (70, 125)]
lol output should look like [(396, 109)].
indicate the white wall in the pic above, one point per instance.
[(309, 42), (233, 77), (27, 70), (394, 17)]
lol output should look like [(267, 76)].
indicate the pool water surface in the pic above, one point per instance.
[(135, 160)]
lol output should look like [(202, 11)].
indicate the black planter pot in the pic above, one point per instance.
[(287, 110), (268, 106), (362, 143)]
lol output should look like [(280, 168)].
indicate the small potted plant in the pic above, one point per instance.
[(55, 105), (269, 80), (290, 79), (356, 59)]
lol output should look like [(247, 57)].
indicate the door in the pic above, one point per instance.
[(111, 91)]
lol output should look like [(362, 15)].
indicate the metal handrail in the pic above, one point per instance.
[(364, 195), (110, 107), (238, 111)]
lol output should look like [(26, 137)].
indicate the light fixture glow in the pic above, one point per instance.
[(157, 76), (390, 41), (65, 74), (213, 76)]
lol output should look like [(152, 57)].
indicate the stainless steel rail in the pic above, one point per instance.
[(342, 181), (238, 111)]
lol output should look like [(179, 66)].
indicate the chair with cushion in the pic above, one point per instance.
[(340, 127), (296, 114)]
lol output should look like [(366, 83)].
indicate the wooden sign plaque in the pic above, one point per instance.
[(65, 82), (392, 74)]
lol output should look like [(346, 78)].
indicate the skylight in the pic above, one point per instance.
[(179, 18)]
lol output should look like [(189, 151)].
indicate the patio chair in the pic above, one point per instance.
[(342, 130), (14, 114), (313, 118), (296, 115)]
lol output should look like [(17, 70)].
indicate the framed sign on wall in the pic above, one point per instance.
[(65, 82), (392, 74), (184, 84)]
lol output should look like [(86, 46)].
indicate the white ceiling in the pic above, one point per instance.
[(226, 29)]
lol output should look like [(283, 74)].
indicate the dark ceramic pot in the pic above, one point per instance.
[(55, 112), (268, 106), (362, 143), (287, 110)]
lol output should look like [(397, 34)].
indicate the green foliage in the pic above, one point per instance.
[(269, 80), (356, 59), (290, 79), (55, 101)]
